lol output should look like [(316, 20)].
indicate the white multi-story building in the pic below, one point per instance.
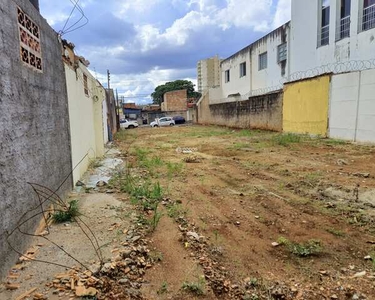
[(258, 68), (208, 71), (324, 36), (327, 32)]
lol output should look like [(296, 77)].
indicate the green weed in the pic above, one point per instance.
[(286, 139), (311, 247), (154, 221), (246, 132), (67, 214), (196, 288), (176, 210), (335, 142), (163, 288), (174, 169), (336, 232)]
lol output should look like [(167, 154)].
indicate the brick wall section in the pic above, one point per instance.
[(261, 112), (175, 101), (34, 126)]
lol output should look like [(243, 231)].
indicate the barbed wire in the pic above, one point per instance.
[(334, 68)]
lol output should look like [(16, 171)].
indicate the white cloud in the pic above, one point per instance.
[(283, 13), (138, 6), (252, 14)]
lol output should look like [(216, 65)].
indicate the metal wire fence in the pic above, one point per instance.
[(335, 68)]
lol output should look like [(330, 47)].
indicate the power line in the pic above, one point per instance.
[(71, 27), (67, 20)]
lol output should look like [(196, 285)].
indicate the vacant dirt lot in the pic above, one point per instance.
[(211, 213), (253, 214)]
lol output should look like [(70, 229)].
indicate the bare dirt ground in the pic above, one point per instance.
[(240, 192), (215, 213)]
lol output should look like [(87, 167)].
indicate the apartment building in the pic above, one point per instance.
[(330, 32), (261, 66), (208, 71)]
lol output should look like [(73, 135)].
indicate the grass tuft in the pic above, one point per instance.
[(196, 288), (310, 248), (67, 215), (286, 139)]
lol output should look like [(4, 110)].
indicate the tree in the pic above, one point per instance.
[(160, 90)]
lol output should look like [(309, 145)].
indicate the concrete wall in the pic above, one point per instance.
[(262, 112), (86, 123), (352, 106), (175, 101), (34, 125), (305, 108), (306, 18)]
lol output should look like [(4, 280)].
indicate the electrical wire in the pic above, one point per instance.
[(72, 27), (70, 15)]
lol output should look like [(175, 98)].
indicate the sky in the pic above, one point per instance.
[(145, 43)]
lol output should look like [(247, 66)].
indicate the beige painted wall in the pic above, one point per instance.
[(85, 117)]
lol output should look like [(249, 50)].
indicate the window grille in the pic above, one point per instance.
[(368, 18), (343, 30), (282, 52)]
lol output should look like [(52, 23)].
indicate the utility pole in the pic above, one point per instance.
[(109, 106), (117, 112)]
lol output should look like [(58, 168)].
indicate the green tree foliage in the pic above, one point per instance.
[(160, 90)]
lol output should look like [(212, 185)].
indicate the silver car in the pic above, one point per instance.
[(166, 121)]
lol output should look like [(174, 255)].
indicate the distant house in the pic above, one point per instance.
[(151, 112), (132, 112), (175, 103)]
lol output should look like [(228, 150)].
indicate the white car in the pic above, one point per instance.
[(166, 121), (128, 124)]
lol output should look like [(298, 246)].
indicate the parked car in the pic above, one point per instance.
[(166, 121), (179, 120), (126, 124)]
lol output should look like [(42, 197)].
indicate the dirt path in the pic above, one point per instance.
[(250, 189)]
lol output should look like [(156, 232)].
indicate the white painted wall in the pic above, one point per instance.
[(85, 117), (105, 122), (306, 54), (255, 79), (352, 106)]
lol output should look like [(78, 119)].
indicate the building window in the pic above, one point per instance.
[(243, 69), (282, 53), (343, 28), (263, 61), (85, 85), (323, 35), (227, 76), (368, 18), (29, 35)]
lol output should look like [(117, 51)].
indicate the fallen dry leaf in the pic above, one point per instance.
[(27, 294)]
